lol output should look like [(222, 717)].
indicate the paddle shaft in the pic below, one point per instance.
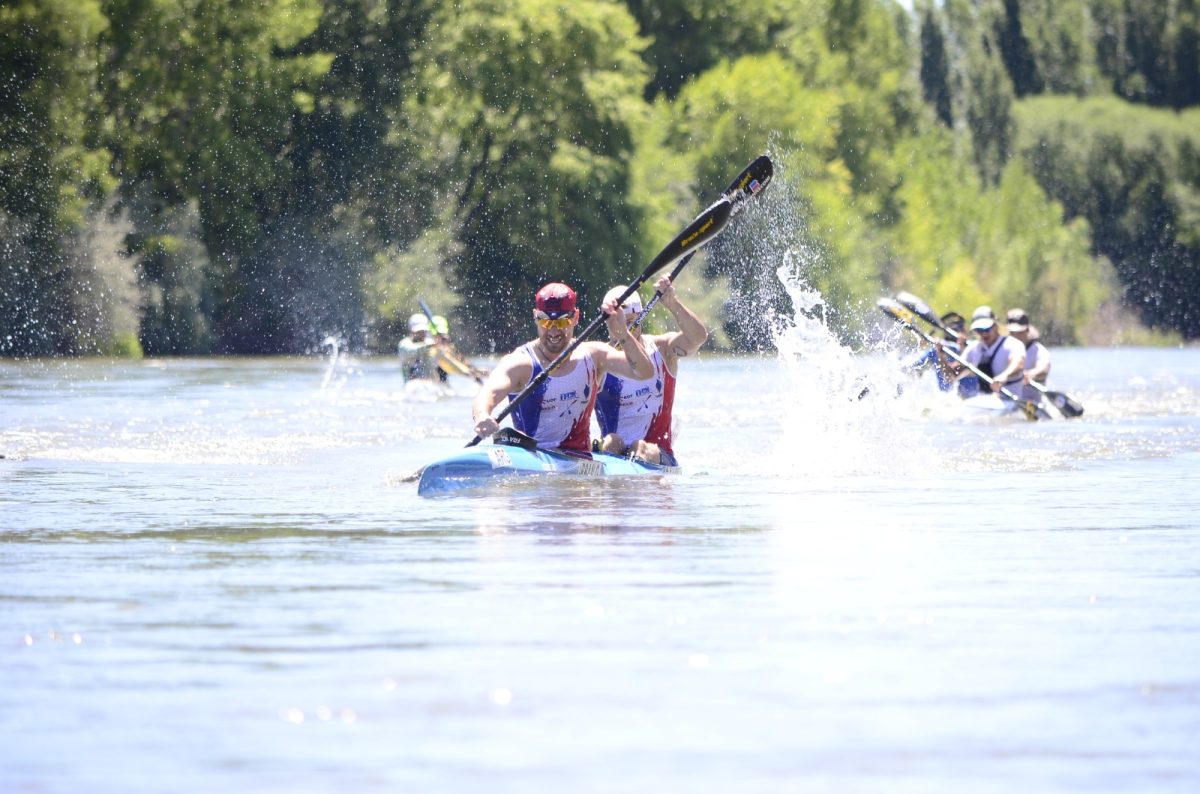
[(750, 182), (658, 295)]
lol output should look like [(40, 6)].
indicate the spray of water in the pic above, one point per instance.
[(837, 410)]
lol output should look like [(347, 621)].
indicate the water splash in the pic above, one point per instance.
[(334, 346), (838, 403)]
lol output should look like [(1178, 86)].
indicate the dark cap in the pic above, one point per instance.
[(1017, 320), (555, 300), (954, 320)]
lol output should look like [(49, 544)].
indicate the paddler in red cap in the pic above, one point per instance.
[(558, 414)]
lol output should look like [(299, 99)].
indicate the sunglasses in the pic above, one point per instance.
[(546, 321)]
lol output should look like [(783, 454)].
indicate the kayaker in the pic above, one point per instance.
[(944, 366), (558, 414), (1001, 358), (415, 360), (1037, 356), (635, 413)]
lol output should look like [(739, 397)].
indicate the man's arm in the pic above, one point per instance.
[(509, 376), (1016, 363), (631, 360), (1041, 368), (691, 334)]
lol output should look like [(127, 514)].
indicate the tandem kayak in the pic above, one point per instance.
[(480, 465)]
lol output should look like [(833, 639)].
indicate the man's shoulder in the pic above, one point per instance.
[(516, 356), (1014, 344)]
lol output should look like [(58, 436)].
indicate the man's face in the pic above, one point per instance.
[(554, 333), (988, 336)]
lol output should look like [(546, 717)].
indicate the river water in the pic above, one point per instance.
[(214, 579)]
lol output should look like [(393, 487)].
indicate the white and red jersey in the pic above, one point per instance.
[(639, 409), (558, 413)]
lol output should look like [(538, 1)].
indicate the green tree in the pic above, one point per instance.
[(64, 286), (528, 109), (1132, 173), (204, 96), (935, 66), (963, 244), (686, 37), (1150, 49)]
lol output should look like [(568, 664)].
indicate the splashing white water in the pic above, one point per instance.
[(840, 408)]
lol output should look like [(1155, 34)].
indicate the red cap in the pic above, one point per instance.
[(556, 300)]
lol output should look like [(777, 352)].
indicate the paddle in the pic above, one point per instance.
[(753, 179), (1067, 407), (449, 353), (902, 315), (705, 227)]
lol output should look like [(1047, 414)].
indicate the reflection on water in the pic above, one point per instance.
[(212, 575)]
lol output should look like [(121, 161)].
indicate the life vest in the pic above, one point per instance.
[(558, 413), (639, 409)]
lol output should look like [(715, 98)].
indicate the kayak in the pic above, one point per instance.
[(480, 465), (991, 405), (984, 407)]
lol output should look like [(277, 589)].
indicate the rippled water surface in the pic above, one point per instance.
[(214, 579)]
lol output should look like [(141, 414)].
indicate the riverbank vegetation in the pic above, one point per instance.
[(214, 176)]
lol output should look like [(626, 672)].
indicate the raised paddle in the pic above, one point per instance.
[(750, 182), (1066, 406), (902, 315)]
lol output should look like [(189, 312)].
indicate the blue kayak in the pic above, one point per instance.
[(480, 465)]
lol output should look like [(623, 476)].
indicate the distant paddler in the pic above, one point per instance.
[(1037, 356), (416, 361), (938, 356), (1001, 358)]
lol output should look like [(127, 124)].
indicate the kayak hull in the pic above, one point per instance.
[(989, 405), (480, 465)]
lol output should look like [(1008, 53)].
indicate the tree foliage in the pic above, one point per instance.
[(195, 176), (535, 133), (1134, 175)]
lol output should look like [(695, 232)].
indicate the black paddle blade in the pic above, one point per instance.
[(920, 308), (752, 180), (706, 226), (1069, 407), (512, 437), (897, 312)]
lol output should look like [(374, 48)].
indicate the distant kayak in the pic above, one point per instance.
[(984, 406), (488, 463)]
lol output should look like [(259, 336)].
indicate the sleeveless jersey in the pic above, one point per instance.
[(415, 360), (558, 413), (639, 409)]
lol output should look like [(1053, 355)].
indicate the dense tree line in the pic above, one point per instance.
[(197, 176)]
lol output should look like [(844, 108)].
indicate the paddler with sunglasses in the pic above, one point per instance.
[(558, 414), (635, 414)]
